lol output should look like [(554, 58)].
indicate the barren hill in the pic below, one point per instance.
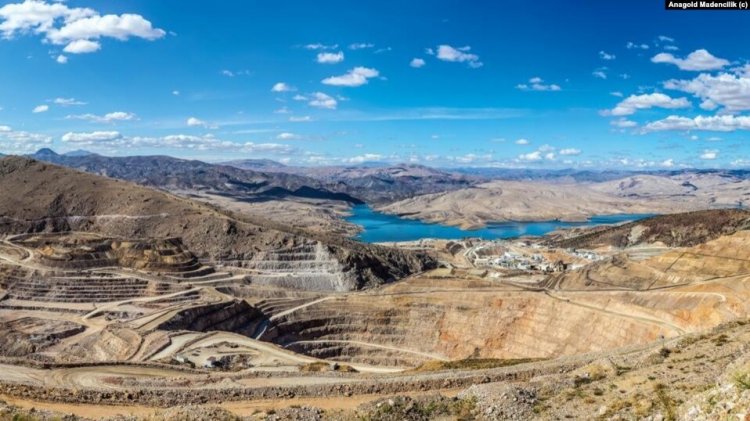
[(40, 197), (534, 201), (675, 230), (180, 174)]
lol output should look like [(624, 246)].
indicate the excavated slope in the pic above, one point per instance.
[(46, 198)]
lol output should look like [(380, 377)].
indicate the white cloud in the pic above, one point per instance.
[(282, 87), (319, 46), (698, 60), (360, 46), (40, 108), (91, 137), (287, 136), (634, 46), (633, 103), (606, 56), (176, 93), (671, 47), (623, 123), (616, 93), (460, 55), (357, 76), (300, 119), (196, 122), (330, 58), (570, 152), (710, 154), (664, 38), (79, 29), (726, 90), (82, 46), (364, 158), (717, 123), (531, 156), (417, 63), (599, 73), (21, 142), (522, 142), (61, 59), (537, 84), (106, 118), (667, 163), (67, 102), (321, 100)]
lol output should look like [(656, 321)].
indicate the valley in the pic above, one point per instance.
[(116, 298)]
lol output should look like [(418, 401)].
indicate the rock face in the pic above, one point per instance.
[(234, 316), (45, 198)]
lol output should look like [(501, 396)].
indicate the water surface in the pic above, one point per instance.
[(379, 227)]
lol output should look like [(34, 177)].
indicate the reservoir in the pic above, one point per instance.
[(379, 227)]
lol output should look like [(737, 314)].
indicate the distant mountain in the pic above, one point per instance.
[(378, 183), (178, 174), (79, 152), (255, 164)]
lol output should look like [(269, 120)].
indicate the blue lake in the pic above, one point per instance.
[(380, 227)]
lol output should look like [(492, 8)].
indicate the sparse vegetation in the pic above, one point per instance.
[(473, 364)]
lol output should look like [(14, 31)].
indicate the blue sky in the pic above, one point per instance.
[(544, 84)]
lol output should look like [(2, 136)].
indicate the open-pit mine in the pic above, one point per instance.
[(209, 314)]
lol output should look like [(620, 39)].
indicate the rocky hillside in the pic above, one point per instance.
[(374, 184), (40, 197), (178, 174), (674, 230)]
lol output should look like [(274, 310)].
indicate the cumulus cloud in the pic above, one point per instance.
[(321, 100), (61, 59), (570, 151), (417, 63), (82, 46), (40, 109), (522, 142), (667, 163), (537, 84), (531, 156), (282, 87), (726, 90), (78, 29), (300, 119), (633, 103), (106, 118), (717, 123), (330, 58), (623, 123), (698, 60), (459, 55), (91, 138), (196, 122), (357, 76), (606, 56), (710, 154), (14, 141)]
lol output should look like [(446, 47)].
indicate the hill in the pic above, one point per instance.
[(674, 230), (40, 197)]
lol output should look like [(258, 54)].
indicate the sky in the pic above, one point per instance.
[(546, 84)]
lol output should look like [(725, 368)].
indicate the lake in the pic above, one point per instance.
[(379, 227)]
